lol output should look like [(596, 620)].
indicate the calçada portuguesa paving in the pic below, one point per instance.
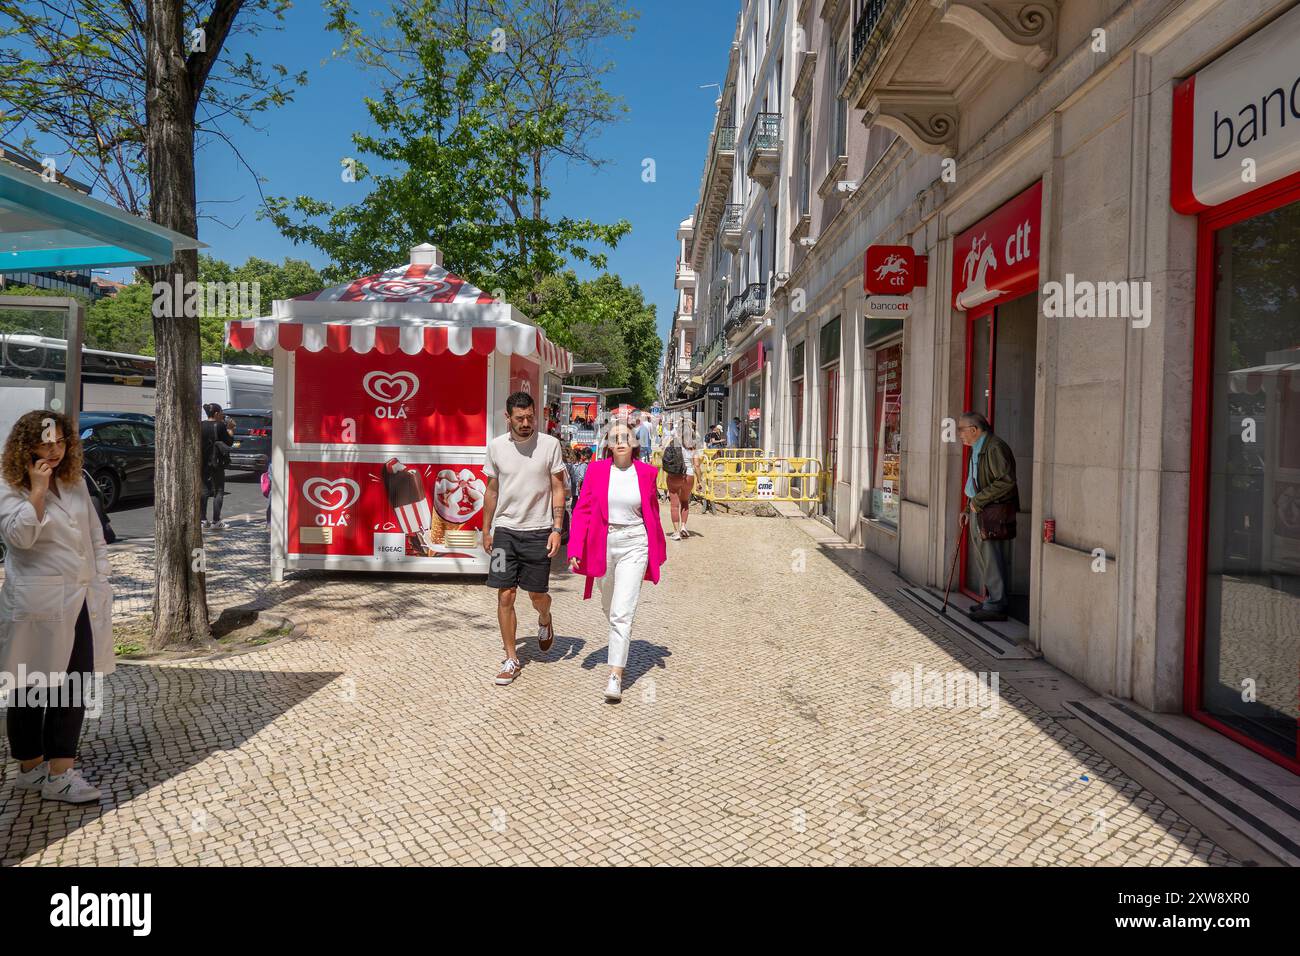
[(757, 727)]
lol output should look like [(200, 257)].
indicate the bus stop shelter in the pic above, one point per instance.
[(47, 226)]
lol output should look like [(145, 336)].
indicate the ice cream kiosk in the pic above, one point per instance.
[(387, 391)]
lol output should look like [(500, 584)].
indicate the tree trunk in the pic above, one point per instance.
[(180, 593)]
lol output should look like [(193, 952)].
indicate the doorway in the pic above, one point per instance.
[(830, 434), (1001, 348)]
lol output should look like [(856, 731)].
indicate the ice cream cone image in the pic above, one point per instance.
[(437, 528)]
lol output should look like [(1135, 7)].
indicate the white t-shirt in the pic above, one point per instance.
[(523, 472), (624, 495)]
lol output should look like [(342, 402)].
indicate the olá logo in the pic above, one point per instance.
[(391, 390), (331, 496)]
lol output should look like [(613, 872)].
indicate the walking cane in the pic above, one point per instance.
[(961, 527)]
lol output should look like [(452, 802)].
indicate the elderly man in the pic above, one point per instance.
[(993, 502)]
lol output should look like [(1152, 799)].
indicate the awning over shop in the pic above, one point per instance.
[(1252, 380), (47, 225), (412, 308)]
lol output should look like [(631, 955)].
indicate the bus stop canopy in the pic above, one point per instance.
[(46, 226)]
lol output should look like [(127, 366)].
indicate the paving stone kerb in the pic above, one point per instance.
[(757, 727)]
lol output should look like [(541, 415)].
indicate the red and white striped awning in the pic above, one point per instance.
[(1251, 381), (412, 308)]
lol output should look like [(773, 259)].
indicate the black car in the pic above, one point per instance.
[(252, 433), (119, 455)]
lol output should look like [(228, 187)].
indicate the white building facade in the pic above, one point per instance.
[(1104, 203)]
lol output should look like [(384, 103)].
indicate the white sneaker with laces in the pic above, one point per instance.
[(614, 689), (70, 787), (32, 779), (675, 536)]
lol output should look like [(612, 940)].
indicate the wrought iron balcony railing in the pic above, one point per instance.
[(765, 133)]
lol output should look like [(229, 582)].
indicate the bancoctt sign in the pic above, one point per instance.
[(1236, 123)]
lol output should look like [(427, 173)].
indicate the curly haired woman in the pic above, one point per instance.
[(55, 605)]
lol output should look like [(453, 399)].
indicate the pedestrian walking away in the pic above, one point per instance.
[(733, 433), (618, 538), (993, 500), (56, 604), (523, 520), (679, 462), (215, 442)]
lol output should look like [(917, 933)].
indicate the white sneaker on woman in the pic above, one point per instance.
[(70, 787), (32, 779), (614, 689)]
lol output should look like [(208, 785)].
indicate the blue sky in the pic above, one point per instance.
[(677, 47)]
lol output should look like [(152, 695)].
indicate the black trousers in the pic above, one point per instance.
[(214, 487), (52, 729)]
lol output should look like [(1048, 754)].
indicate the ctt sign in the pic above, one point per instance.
[(1236, 123), (889, 270)]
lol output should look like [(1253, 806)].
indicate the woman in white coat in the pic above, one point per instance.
[(55, 606)]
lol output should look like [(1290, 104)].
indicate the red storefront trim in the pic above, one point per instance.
[(1259, 201)]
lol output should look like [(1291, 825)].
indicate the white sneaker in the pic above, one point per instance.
[(204, 523), (70, 787), (614, 689), (217, 525), (675, 536), (32, 779)]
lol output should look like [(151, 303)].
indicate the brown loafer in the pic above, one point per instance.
[(545, 635)]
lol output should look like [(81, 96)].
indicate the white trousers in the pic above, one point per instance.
[(627, 552)]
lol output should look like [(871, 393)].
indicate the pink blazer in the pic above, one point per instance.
[(589, 529)]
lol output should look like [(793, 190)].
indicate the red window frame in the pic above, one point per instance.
[(1257, 202)]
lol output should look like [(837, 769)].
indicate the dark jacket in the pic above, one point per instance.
[(216, 442), (995, 475)]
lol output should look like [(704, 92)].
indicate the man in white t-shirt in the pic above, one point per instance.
[(523, 519)]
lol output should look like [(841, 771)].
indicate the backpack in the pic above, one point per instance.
[(674, 461)]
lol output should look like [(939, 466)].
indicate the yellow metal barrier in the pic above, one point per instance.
[(758, 477)]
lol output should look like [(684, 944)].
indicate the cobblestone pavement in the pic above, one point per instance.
[(762, 723)]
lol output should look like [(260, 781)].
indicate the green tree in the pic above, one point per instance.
[(548, 60), (602, 320), (458, 146), (122, 322), (127, 89), (293, 277)]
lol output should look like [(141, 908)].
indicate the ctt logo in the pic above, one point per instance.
[(75, 908), (391, 391), (330, 497)]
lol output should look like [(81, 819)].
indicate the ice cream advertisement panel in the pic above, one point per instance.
[(385, 509), (399, 399)]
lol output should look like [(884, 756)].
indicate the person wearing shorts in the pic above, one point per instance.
[(679, 491), (523, 519)]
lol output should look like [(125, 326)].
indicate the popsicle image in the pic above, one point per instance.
[(408, 498)]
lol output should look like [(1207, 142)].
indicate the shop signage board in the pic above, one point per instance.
[(375, 399), (717, 390), (888, 270), (1236, 123), (748, 364), (997, 258), (888, 306)]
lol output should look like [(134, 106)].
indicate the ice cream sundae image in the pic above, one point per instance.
[(458, 496)]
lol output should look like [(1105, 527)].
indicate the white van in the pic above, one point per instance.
[(238, 386)]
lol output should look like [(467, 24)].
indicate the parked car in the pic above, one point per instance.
[(119, 454), (252, 433), (129, 416)]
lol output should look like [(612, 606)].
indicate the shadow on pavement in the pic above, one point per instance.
[(157, 723)]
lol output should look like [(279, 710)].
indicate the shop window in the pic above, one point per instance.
[(1250, 643), (752, 416), (829, 342), (887, 436)]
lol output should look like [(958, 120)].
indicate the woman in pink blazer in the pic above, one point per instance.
[(615, 535)]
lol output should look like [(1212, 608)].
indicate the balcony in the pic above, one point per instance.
[(717, 187), (731, 223), (685, 278), (750, 304), (913, 60), (764, 149)]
